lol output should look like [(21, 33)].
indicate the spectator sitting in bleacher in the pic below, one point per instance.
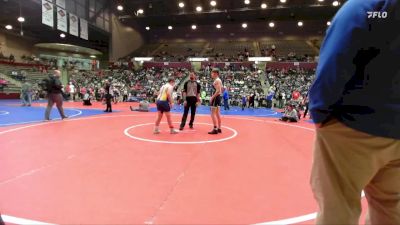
[(2, 55), (11, 58)]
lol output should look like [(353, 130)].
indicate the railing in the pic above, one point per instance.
[(234, 65), (18, 64), (291, 65), (186, 65)]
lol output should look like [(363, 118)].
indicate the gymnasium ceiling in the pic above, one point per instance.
[(161, 13), (33, 29)]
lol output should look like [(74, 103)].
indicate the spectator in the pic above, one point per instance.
[(270, 96), (72, 91), (290, 115), (143, 107), (244, 102), (87, 98), (12, 58), (108, 98), (226, 99), (26, 94)]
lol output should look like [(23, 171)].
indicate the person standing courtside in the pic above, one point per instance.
[(54, 95), (108, 96), (215, 102), (26, 94), (164, 105), (191, 95), (355, 103), (226, 98)]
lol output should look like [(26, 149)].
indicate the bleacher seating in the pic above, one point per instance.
[(285, 47), (32, 74), (8, 87), (179, 51), (146, 50), (230, 48), (232, 51)]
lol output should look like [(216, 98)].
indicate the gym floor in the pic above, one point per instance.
[(108, 168)]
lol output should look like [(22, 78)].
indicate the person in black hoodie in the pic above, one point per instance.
[(108, 97), (54, 95)]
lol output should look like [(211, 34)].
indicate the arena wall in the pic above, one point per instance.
[(124, 40), (16, 45)]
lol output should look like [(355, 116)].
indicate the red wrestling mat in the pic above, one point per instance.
[(111, 169)]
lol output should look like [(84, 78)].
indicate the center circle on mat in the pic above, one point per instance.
[(154, 140), (2, 113)]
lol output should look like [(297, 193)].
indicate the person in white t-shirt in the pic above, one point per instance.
[(72, 91)]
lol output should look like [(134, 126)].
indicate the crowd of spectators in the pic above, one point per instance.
[(240, 56), (242, 84), (238, 84), (126, 85), (289, 85), (229, 56)]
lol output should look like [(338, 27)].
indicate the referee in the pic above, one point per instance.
[(191, 94)]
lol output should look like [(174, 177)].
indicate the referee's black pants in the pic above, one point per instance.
[(191, 104)]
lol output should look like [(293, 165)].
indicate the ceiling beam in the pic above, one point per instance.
[(220, 11), (106, 5)]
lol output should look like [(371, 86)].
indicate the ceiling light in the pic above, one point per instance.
[(213, 3), (194, 27), (271, 24), (62, 35), (335, 3), (283, 1), (199, 9), (21, 19), (169, 27), (263, 6), (140, 11), (9, 27), (300, 24), (147, 28), (218, 26), (181, 4), (244, 25), (320, 0), (93, 56), (328, 23), (246, 2), (120, 7)]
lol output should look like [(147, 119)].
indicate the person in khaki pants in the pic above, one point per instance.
[(355, 104)]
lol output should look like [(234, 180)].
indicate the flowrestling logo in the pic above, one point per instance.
[(379, 15)]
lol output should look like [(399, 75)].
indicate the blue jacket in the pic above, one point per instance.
[(270, 96), (226, 95), (244, 100), (358, 74)]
